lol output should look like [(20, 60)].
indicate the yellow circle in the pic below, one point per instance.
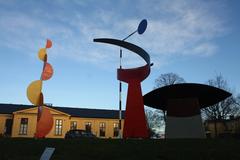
[(34, 92), (42, 54)]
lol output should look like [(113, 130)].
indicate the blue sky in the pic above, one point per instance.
[(196, 39)]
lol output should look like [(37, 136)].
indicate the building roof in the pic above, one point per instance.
[(74, 112)]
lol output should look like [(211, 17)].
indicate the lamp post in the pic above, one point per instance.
[(141, 29)]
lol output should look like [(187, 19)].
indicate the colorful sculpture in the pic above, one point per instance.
[(183, 103), (135, 125), (35, 96)]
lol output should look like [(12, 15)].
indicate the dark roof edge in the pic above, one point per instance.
[(31, 106), (82, 108), (73, 112)]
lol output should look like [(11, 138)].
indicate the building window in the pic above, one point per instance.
[(88, 127), (23, 126), (73, 125), (102, 129), (115, 130), (58, 127)]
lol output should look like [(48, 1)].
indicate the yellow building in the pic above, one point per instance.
[(223, 128), (20, 121)]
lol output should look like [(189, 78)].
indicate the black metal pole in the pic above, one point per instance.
[(120, 95), (120, 86), (129, 35)]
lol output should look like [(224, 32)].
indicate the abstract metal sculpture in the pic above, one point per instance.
[(183, 103), (35, 96), (141, 29), (135, 125)]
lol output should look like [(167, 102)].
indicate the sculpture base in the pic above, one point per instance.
[(184, 119), (135, 125), (184, 127)]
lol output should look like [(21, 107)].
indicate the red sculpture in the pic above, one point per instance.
[(135, 124)]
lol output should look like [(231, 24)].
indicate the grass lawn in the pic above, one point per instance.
[(89, 149)]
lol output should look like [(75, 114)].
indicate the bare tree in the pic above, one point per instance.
[(223, 109), (168, 79), (238, 104), (165, 80), (154, 119)]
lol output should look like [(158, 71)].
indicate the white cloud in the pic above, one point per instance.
[(204, 49), (176, 27)]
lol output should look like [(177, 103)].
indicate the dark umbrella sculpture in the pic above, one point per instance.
[(183, 103)]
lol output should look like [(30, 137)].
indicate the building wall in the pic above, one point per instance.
[(96, 125), (3, 118), (31, 128), (65, 126), (227, 126), (210, 127), (31, 114)]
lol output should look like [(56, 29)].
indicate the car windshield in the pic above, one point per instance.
[(84, 133), (76, 132)]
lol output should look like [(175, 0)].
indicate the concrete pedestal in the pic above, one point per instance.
[(184, 119)]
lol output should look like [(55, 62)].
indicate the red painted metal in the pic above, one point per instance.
[(135, 125), (44, 124)]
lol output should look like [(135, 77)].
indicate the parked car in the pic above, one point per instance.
[(78, 133)]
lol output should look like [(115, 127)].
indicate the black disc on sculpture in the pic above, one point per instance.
[(132, 47), (206, 95)]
